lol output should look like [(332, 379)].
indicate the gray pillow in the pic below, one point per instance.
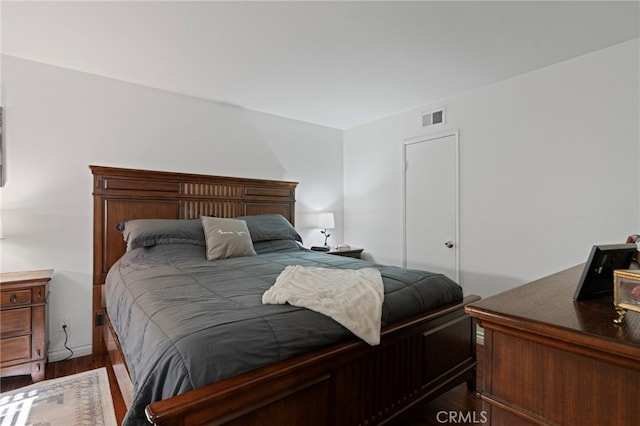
[(150, 232), (268, 227), (226, 238)]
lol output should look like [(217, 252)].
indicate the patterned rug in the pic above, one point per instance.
[(77, 400)]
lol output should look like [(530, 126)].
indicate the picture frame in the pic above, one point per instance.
[(626, 292), (597, 275)]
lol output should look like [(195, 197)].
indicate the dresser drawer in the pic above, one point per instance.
[(15, 321), (15, 348), (12, 298)]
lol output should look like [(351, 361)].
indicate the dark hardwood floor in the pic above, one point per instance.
[(458, 402), (458, 406)]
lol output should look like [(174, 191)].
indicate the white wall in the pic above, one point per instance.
[(548, 167), (60, 121)]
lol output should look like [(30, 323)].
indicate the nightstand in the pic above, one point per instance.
[(23, 323), (352, 252)]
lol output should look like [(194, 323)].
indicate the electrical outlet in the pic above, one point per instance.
[(62, 321)]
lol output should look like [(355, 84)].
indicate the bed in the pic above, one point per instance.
[(426, 347)]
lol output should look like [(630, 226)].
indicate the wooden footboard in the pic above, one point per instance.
[(346, 384)]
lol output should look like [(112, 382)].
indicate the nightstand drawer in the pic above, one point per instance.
[(12, 298), (15, 321), (15, 348)]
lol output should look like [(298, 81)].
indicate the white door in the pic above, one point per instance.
[(431, 204)]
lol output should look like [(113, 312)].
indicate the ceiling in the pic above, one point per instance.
[(337, 64)]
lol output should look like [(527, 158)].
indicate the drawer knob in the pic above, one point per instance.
[(13, 298)]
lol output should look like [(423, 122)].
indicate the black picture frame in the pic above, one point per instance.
[(597, 276)]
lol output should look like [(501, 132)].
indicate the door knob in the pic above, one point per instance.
[(449, 244)]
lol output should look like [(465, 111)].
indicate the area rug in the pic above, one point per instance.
[(77, 400)]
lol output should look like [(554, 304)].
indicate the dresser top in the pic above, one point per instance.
[(546, 307), (25, 277)]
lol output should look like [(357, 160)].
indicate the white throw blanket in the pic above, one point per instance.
[(352, 297)]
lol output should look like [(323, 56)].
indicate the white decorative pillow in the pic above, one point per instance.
[(226, 238)]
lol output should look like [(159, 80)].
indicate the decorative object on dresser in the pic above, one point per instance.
[(418, 358), (354, 252), (551, 360), (597, 276), (626, 292), (635, 239), (325, 221), (23, 323)]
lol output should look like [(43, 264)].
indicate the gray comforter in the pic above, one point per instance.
[(184, 321)]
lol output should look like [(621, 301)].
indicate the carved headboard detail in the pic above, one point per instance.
[(125, 194)]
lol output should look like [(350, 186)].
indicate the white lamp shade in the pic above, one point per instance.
[(325, 221)]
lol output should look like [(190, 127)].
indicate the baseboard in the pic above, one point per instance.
[(479, 335), (62, 353)]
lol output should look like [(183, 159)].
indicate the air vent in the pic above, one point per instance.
[(432, 118)]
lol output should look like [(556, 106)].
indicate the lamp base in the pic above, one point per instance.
[(320, 248)]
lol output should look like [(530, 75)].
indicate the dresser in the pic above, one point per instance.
[(23, 323), (551, 360)]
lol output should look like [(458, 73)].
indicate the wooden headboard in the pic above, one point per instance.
[(125, 194)]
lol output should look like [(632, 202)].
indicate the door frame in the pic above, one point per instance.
[(427, 138)]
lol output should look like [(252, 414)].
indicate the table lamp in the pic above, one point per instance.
[(325, 221)]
